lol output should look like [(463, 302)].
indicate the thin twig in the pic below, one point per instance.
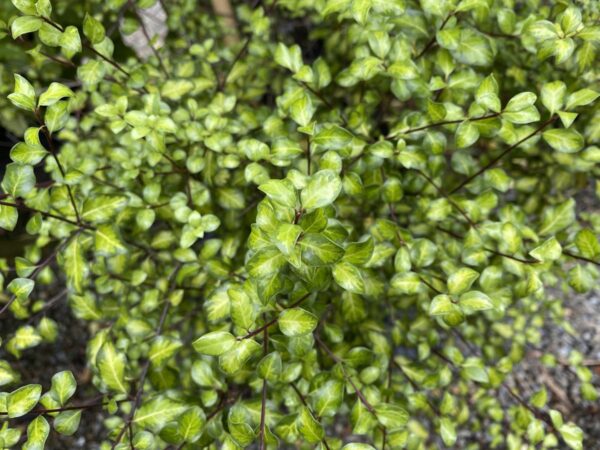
[(450, 122), (447, 197), (493, 162), (138, 396), (272, 321), (263, 403)]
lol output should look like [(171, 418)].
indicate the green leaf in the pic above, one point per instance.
[(37, 433), (475, 301), (566, 141), (21, 287), (461, 280), (286, 237), (321, 190), (448, 431), (333, 138), (553, 95), (296, 322), (581, 97), (580, 279), (31, 151), (93, 29), (156, 413), (111, 365), (107, 241), (190, 424), (265, 262), (176, 89), (328, 398), (162, 349), (67, 422), (550, 250), (474, 369), (349, 277), (54, 93), (487, 94), (573, 435), (43, 8), (406, 283), (310, 429), (242, 310), (56, 116), (102, 208), (23, 95), (360, 10), (289, 57), (74, 264), (441, 305), (391, 416), (521, 110), (467, 134), (557, 218), (567, 118), (25, 24), (18, 180), (280, 191), (63, 386), (270, 367), (25, 6), (359, 252), (473, 49), (587, 243), (317, 250), (215, 343), (423, 252), (8, 217), (70, 41), (23, 400), (302, 110)]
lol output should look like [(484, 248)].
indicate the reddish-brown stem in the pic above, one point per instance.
[(450, 122), (263, 402), (336, 359), (142, 379), (581, 258), (61, 169), (431, 42), (41, 267), (272, 321), (494, 161), (447, 197)]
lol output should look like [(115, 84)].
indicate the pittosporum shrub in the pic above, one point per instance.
[(300, 224)]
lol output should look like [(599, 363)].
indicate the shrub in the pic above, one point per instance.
[(338, 224)]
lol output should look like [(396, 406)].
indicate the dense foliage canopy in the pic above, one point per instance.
[(310, 224)]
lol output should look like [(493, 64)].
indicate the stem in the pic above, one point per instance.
[(58, 163), (303, 400), (149, 40), (272, 321), (41, 267), (502, 155), (431, 42), (263, 404), (146, 367), (335, 358), (582, 258), (244, 48), (66, 408), (447, 197), (450, 122), (46, 214)]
